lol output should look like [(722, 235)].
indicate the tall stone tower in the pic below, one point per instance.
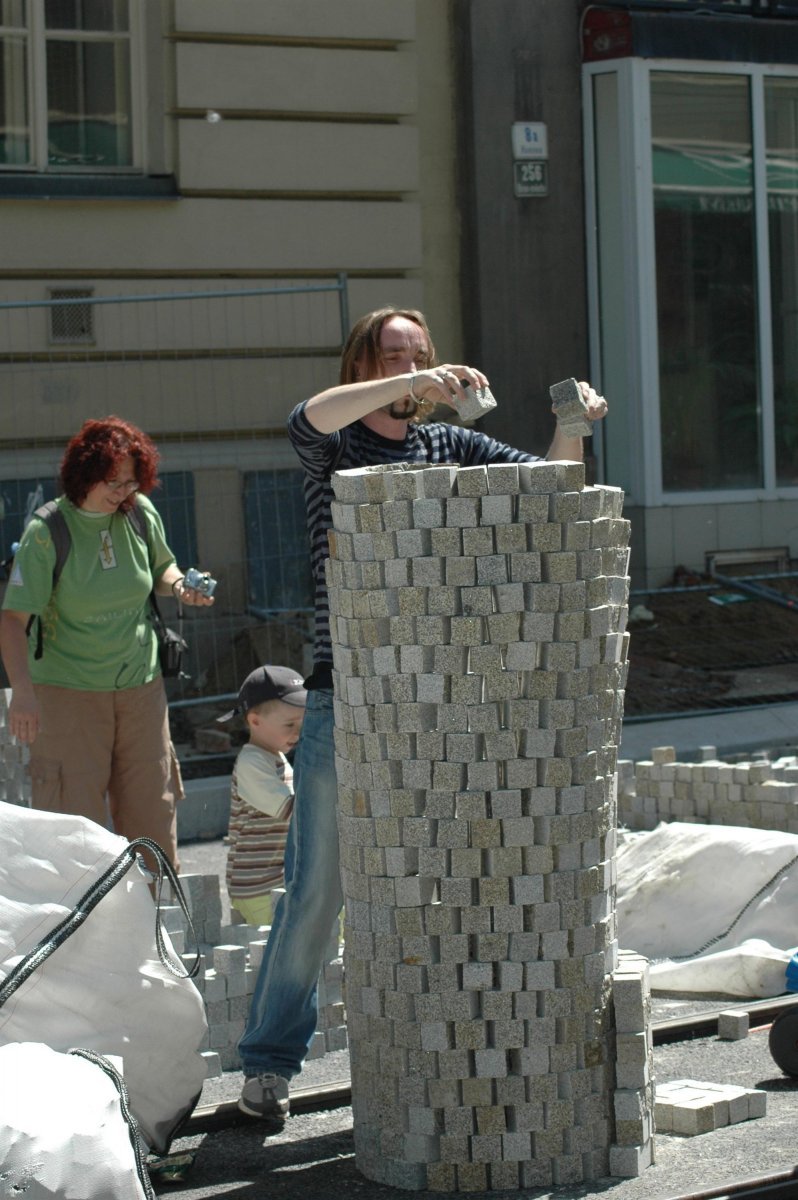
[(478, 618)]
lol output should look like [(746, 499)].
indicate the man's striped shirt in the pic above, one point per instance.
[(358, 446)]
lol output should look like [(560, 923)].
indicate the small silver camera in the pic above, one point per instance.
[(200, 581)]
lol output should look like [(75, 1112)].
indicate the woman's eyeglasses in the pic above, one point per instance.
[(120, 485)]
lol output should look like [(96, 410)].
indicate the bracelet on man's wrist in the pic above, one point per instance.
[(411, 390)]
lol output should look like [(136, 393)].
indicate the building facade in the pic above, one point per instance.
[(154, 154), (661, 260), (599, 190)]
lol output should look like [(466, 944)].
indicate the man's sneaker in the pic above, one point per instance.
[(265, 1096)]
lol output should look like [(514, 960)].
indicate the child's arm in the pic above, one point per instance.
[(259, 784)]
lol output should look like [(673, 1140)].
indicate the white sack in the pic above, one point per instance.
[(105, 988), (683, 885), (753, 969), (62, 1132)]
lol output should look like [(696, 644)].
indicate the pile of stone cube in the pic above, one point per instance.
[(634, 1095), (14, 776), (477, 617), (689, 1106), (230, 959), (230, 954), (757, 795)]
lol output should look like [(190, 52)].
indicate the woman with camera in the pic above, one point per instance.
[(79, 645)]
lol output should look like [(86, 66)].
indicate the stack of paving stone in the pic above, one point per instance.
[(689, 1106), (14, 777), (231, 957), (756, 795), (477, 618), (634, 1098), (231, 954)]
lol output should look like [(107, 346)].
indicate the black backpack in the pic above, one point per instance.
[(170, 644)]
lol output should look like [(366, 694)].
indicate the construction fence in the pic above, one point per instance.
[(211, 376)]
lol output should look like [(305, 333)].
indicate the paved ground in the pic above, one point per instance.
[(314, 1155), (733, 732)]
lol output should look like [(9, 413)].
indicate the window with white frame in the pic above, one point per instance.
[(695, 275), (68, 100)]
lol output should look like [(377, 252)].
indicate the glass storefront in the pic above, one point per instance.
[(701, 143), (781, 128), (694, 199)]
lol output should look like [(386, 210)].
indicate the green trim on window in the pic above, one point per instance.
[(24, 186)]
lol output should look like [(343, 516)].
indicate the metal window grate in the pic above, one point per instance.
[(71, 320)]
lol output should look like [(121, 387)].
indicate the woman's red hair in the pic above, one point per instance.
[(97, 449)]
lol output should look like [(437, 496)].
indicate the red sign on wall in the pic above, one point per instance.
[(606, 35)]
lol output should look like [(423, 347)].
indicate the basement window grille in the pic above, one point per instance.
[(71, 321)]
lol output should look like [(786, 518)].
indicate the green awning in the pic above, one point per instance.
[(705, 178)]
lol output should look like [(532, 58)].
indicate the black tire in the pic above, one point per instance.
[(783, 1041)]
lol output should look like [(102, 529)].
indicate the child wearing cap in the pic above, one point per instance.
[(272, 702)]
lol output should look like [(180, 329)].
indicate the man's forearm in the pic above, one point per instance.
[(567, 449), (340, 406)]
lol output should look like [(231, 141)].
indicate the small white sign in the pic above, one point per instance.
[(530, 139)]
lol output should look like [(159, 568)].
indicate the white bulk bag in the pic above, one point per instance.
[(713, 905), (65, 1130), (84, 961)]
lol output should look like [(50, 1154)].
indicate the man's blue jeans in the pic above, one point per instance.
[(284, 1010)]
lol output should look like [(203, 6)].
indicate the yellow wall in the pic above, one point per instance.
[(330, 148)]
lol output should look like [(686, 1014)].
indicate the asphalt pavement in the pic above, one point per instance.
[(313, 1158), (769, 727)]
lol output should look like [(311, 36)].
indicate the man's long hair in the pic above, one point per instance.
[(363, 346)]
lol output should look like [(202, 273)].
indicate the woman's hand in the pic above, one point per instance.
[(23, 711), (172, 583), (188, 595), (23, 715)]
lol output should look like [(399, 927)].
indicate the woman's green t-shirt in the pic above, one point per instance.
[(96, 631)]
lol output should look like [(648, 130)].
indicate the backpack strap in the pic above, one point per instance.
[(136, 518), (61, 538), (139, 526), (58, 529)]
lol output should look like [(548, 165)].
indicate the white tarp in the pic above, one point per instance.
[(709, 892)]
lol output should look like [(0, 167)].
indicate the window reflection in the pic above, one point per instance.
[(88, 83), (706, 298), (88, 94), (96, 15), (14, 119), (781, 125)]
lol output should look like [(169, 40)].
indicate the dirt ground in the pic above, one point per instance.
[(687, 651)]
